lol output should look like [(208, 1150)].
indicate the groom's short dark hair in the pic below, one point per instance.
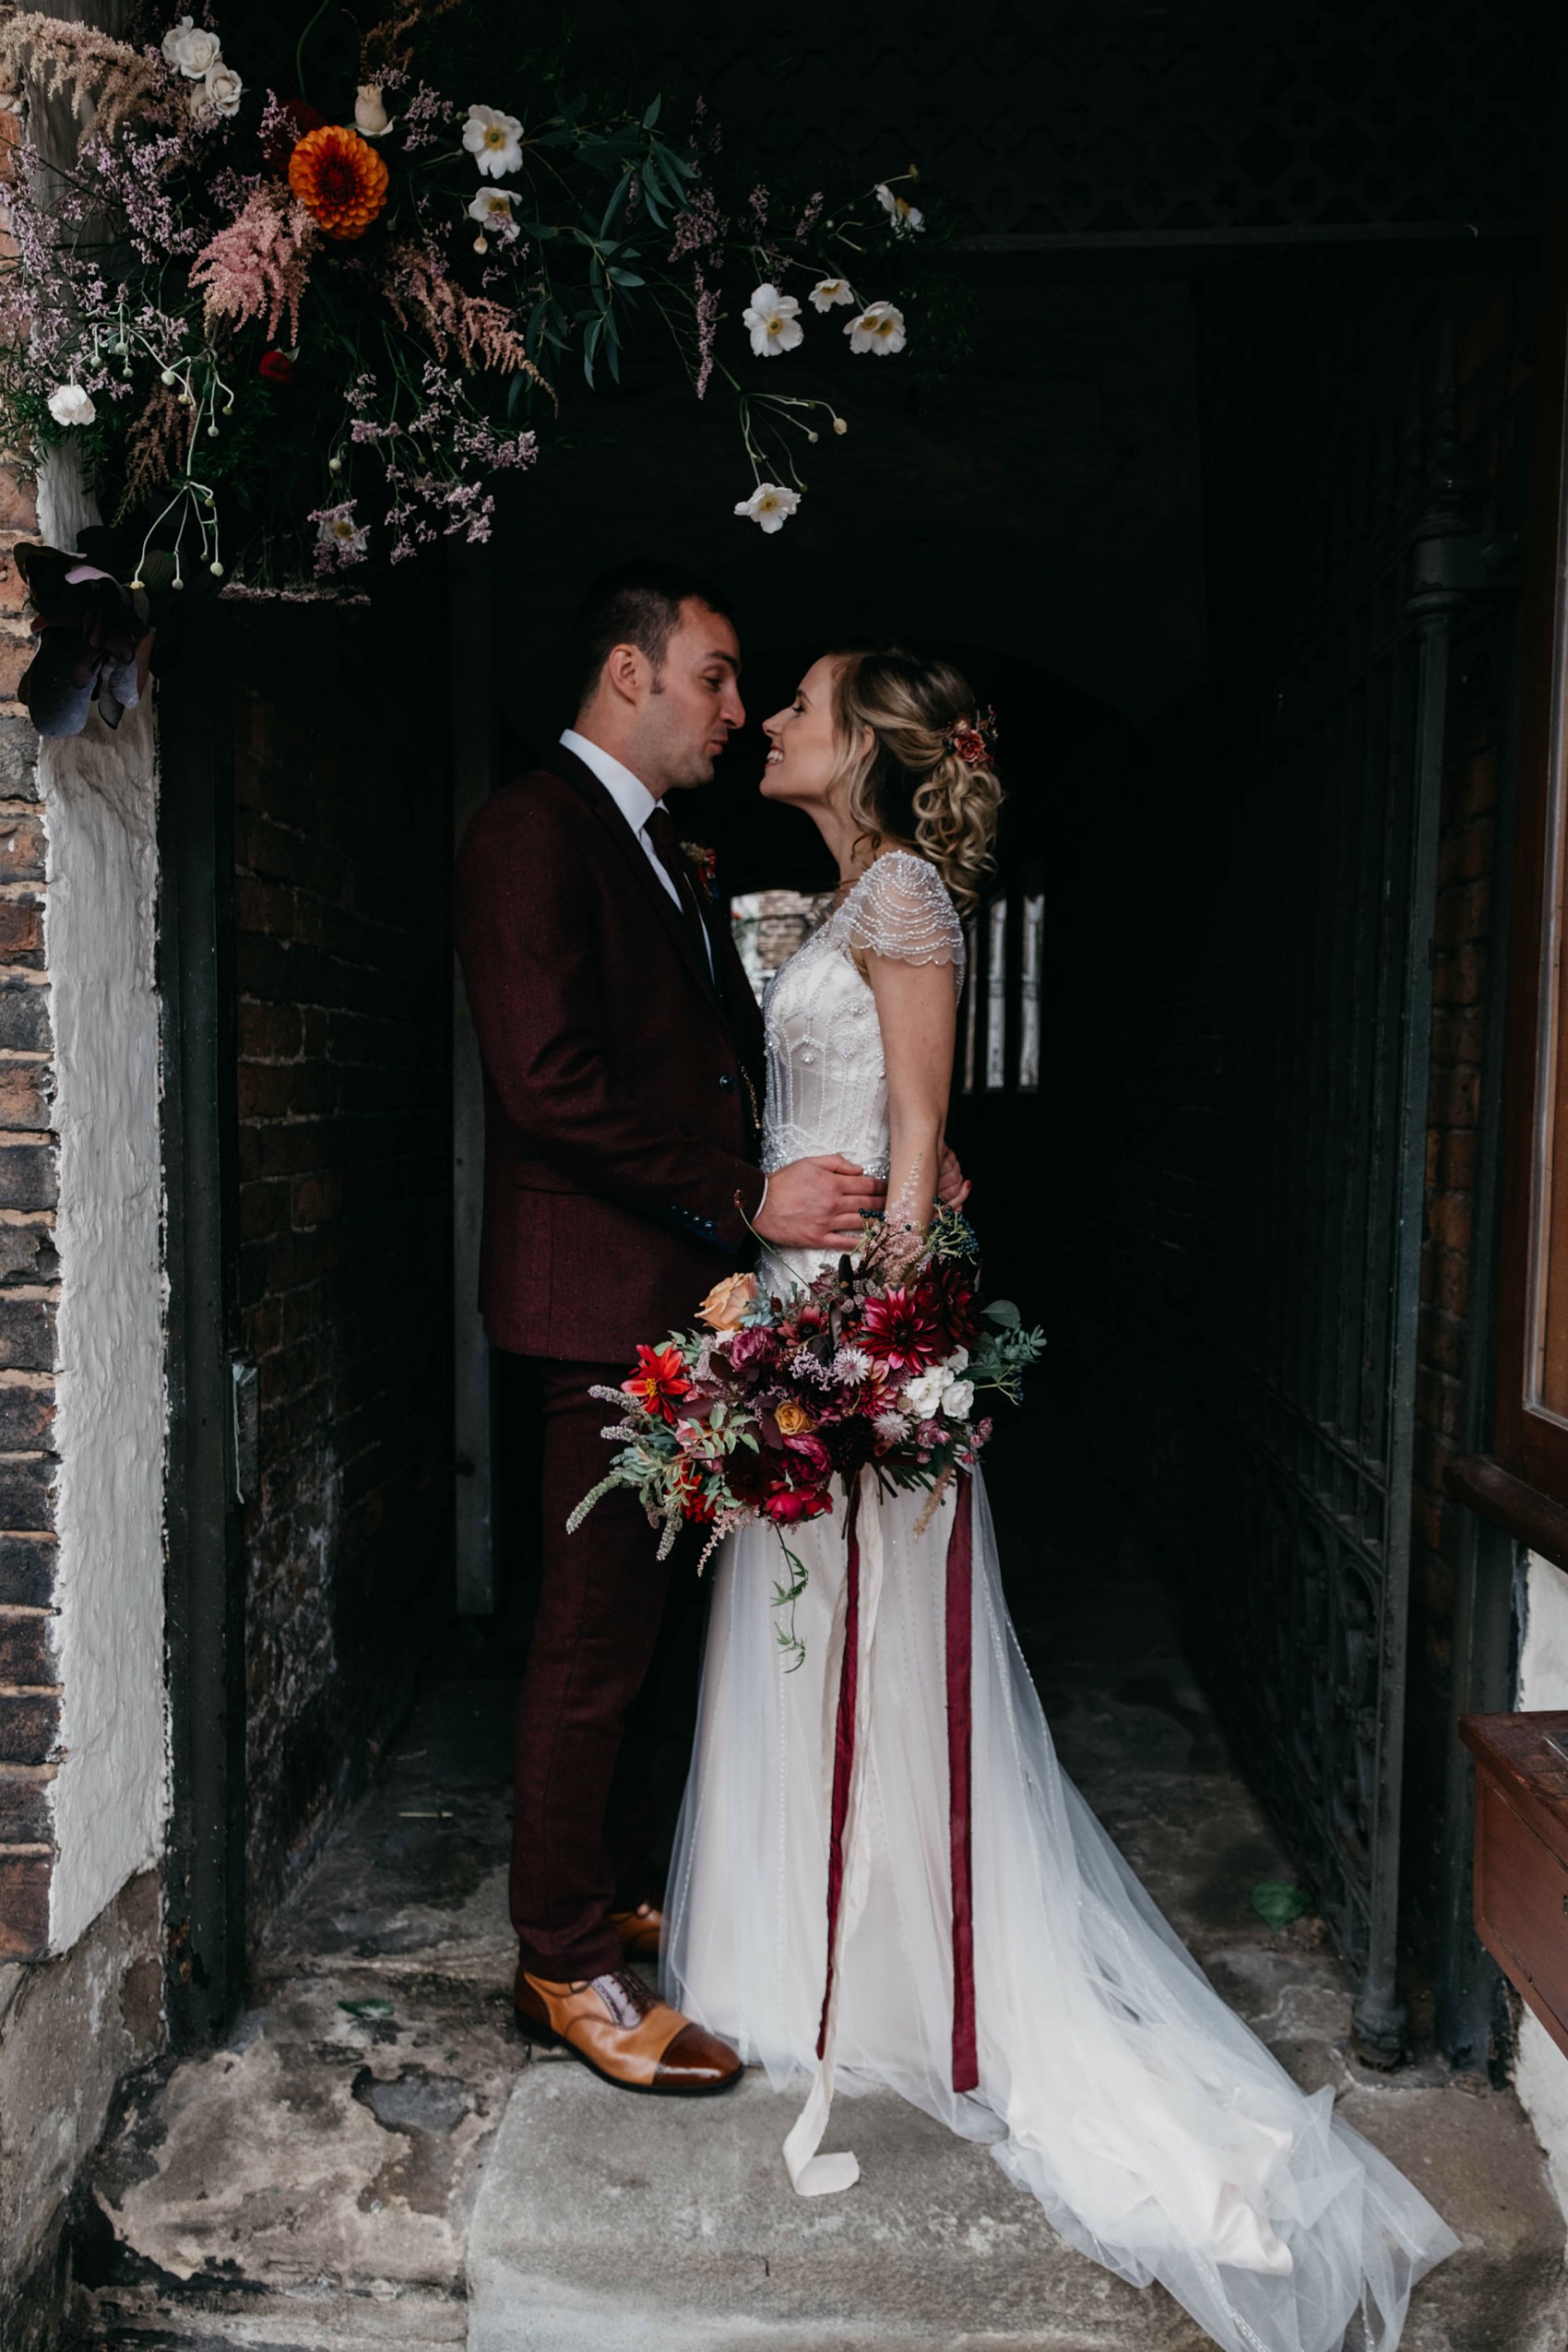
[(638, 604)]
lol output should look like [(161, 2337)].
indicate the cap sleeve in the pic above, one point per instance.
[(901, 910)]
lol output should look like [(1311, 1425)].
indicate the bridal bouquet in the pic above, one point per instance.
[(751, 1416)]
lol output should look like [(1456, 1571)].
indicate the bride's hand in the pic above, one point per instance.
[(817, 1203), (952, 1187)]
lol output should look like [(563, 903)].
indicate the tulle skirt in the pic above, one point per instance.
[(1158, 2133)]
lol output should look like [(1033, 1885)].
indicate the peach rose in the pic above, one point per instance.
[(726, 1304), (793, 1420)]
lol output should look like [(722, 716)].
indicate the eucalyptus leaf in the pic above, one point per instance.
[(1003, 1312)]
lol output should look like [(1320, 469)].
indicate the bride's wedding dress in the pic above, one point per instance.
[(1160, 2136)]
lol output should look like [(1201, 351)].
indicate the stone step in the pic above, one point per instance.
[(670, 2226)]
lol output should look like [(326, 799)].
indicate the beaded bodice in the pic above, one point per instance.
[(826, 1078)]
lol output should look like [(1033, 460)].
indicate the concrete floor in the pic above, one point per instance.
[(375, 2160)]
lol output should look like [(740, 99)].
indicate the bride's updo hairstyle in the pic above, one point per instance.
[(911, 787)]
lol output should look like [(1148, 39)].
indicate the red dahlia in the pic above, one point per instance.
[(944, 1294), (899, 1330)]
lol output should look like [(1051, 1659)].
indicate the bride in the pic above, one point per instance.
[(1108, 2078)]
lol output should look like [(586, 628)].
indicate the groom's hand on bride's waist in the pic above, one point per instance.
[(818, 1204)]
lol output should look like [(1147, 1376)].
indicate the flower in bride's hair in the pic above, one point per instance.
[(792, 1418), (907, 221), (770, 505), (727, 1304), (879, 327), (774, 320), (829, 292)]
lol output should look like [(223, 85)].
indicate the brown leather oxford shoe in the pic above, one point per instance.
[(631, 2038), (640, 1932)]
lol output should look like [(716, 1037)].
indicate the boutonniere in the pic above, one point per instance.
[(705, 860)]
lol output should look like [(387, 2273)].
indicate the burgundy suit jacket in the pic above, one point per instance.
[(620, 1138)]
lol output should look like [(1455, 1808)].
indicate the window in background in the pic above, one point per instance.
[(1028, 993), (971, 1002), (996, 997), (770, 925)]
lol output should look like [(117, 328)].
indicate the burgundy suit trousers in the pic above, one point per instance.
[(583, 1819)]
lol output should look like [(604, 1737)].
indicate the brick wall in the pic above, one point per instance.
[(28, 1294), (343, 963), (1493, 347)]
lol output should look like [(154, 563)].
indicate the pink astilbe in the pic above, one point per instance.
[(259, 265), (482, 333)]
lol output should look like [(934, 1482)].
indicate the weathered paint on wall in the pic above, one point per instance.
[(100, 798), (1542, 2077)]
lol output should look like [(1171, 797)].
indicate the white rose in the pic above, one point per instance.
[(957, 1398), (68, 404), (192, 50), (371, 119), (957, 1360), (220, 89), (923, 1394)]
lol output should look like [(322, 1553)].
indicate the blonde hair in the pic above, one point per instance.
[(909, 787)]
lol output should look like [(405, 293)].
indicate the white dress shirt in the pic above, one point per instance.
[(636, 804), (630, 794)]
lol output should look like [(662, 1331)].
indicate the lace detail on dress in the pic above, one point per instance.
[(826, 1079), (900, 908)]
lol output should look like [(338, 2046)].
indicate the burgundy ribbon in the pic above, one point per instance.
[(960, 1576), (960, 1572), (843, 1746)]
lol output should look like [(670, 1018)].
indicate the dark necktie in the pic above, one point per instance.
[(660, 831)]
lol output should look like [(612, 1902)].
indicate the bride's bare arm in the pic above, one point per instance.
[(918, 1016)]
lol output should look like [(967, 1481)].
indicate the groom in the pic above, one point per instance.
[(624, 1076)]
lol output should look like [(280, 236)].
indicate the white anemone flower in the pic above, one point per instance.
[(904, 216), (492, 208), (829, 292), (220, 88), (494, 140), (770, 505), (880, 328), (69, 404), (774, 320), (192, 50)]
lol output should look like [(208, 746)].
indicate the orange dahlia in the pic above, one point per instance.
[(339, 179)]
